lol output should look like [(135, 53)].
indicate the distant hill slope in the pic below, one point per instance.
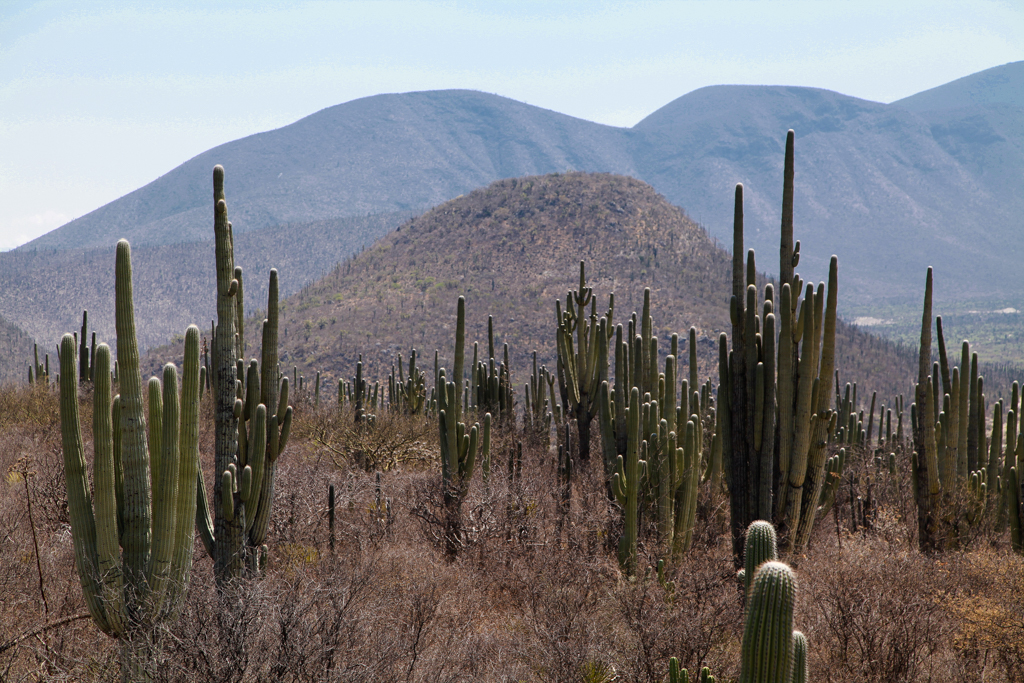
[(873, 185), (512, 249), (998, 85), (15, 353), (377, 154), (889, 190), (174, 285)]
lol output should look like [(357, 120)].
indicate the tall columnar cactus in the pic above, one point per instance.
[(926, 471), (784, 391), (626, 482), (671, 425), (951, 450), (458, 447), (540, 403), (133, 551), (767, 649), (582, 365), (247, 441), (491, 385)]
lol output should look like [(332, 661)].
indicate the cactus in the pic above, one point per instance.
[(767, 649), (458, 448), (582, 366), (678, 675), (491, 385), (540, 402), (672, 429), (952, 451), (760, 546), (83, 350), (799, 658), (626, 482), (133, 551), (407, 396), (247, 440), (784, 391)]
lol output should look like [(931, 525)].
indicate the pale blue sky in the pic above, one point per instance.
[(96, 101)]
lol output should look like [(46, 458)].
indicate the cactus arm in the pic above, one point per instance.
[(257, 471), (165, 498), (108, 545), (801, 419), (799, 658), (204, 519), (767, 422), (818, 451), (137, 537), (188, 465), (83, 523)]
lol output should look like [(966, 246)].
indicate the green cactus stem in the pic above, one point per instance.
[(767, 649), (134, 549)]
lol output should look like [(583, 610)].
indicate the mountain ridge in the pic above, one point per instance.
[(889, 190)]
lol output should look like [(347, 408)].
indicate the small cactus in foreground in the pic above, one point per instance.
[(767, 650)]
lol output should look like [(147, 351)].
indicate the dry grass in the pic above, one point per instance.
[(533, 595)]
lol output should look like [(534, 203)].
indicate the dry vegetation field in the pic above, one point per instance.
[(534, 595)]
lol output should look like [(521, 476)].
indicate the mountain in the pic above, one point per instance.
[(998, 85), (174, 283), (890, 189), (378, 154), (512, 249), (872, 186)]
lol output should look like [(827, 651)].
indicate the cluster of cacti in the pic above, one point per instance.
[(133, 551), (678, 675), (458, 446), (950, 447), (252, 418), (774, 402), (39, 373), (667, 438), (490, 390), (405, 395), (360, 394), (771, 651), (541, 407), (582, 361)]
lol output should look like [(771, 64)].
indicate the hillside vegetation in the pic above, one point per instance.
[(48, 289), (15, 353), (512, 249), (933, 180)]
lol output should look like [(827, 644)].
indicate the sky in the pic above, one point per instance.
[(99, 98)]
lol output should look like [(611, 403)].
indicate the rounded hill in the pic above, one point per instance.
[(511, 249)]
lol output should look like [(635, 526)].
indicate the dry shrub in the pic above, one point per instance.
[(695, 616), (535, 593)]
